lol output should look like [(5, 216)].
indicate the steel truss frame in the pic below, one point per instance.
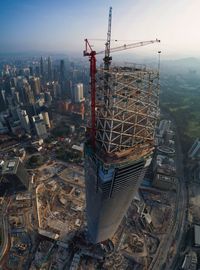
[(127, 108)]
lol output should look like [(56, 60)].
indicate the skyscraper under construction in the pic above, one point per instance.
[(125, 126), (119, 148)]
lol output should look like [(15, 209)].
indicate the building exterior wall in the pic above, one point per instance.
[(40, 128), (22, 174), (78, 93), (24, 119), (109, 192), (46, 119), (164, 182), (116, 159), (17, 175)]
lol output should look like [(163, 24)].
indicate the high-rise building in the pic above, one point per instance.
[(24, 120), (62, 78), (15, 174), (46, 119), (125, 122), (25, 92), (41, 67), (69, 87), (31, 71), (48, 98), (10, 101), (2, 102), (49, 69), (7, 85), (37, 71), (28, 95), (16, 98), (3, 125), (35, 85), (78, 93), (56, 89), (62, 70), (40, 126)]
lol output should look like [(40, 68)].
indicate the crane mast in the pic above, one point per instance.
[(107, 59), (92, 59)]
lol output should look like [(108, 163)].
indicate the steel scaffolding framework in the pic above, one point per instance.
[(126, 107)]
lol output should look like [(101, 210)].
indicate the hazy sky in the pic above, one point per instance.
[(62, 25)]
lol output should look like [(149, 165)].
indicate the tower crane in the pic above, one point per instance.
[(107, 61)]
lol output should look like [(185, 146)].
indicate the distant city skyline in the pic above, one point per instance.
[(61, 26)]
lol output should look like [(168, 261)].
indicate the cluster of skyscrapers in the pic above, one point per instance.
[(125, 125), (30, 89)]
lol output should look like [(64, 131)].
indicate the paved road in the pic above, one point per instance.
[(166, 242), (184, 199), (176, 230), (5, 231)]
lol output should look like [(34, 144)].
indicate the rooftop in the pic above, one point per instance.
[(10, 166)]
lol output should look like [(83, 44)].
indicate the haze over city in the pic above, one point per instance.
[(99, 135), (61, 26)]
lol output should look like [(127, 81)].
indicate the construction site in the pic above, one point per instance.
[(127, 111), (60, 204), (110, 191), (120, 138), (120, 141)]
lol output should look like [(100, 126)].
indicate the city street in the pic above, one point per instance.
[(5, 230), (162, 260)]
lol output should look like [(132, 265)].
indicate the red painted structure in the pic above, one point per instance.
[(92, 58)]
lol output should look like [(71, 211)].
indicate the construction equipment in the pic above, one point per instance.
[(107, 61)]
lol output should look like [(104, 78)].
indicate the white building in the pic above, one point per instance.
[(78, 93)]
